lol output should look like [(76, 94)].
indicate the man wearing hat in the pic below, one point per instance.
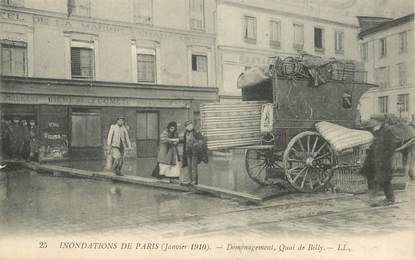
[(378, 164), (117, 141), (192, 153)]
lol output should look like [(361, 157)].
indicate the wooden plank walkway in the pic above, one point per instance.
[(224, 192)]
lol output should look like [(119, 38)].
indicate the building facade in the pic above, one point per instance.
[(75, 65), (251, 32), (388, 53)]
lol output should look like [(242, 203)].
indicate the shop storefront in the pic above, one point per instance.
[(75, 126)]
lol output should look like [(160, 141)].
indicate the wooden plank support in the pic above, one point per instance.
[(220, 192)]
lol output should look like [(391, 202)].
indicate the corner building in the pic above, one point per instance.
[(74, 65)]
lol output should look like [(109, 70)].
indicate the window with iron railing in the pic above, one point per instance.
[(402, 74), (143, 11)]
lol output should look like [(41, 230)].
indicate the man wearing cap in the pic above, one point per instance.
[(117, 141), (192, 144), (378, 164)]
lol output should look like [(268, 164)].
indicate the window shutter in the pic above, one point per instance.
[(76, 62), (6, 60)]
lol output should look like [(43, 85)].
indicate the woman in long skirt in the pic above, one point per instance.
[(168, 156)]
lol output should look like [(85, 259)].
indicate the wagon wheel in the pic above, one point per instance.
[(260, 163), (308, 162)]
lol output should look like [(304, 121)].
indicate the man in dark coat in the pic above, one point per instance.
[(378, 163), (193, 153)]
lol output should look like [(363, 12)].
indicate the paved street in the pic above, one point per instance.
[(31, 203)]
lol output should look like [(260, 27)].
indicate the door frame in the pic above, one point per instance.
[(149, 110)]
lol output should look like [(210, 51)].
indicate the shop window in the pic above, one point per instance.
[(275, 34), (298, 36), (82, 63), (318, 39), (250, 29), (147, 134), (86, 128), (339, 42), (146, 66), (13, 58), (383, 104), (197, 19), (143, 11)]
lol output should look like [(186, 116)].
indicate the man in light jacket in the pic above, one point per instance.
[(117, 141)]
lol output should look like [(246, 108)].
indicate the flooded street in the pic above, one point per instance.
[(40, 204)]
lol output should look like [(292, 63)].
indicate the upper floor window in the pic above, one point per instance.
[(199, 70), (197, 14), (146, 65), (402, 74), (12, 2), (275, 34), (382, 77), (13, 58), (318, 39), (82, 61), (339, 42), (403, 42), (143, 11), (250, 29), (298, 36), (403, 103), (383, 103), (383, 48), (79, 7), (364, 51)]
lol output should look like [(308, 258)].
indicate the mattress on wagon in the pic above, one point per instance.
[(342, 138), (228, 125)]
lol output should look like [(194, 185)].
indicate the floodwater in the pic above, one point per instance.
[(38, 204), (226, 171)]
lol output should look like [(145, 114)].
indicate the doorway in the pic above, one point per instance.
[(147, 134)]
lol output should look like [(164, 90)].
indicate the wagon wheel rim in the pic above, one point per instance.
[(259, 163), (308, 162)]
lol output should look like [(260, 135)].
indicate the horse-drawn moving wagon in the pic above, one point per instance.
[(286, 110)]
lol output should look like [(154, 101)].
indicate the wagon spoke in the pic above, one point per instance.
[(301, 145), (257, 165), (314, 146), (308, 143), (321, 148), (322, 156), (259, 172), (296, 160), (299, 174), (305, 177)]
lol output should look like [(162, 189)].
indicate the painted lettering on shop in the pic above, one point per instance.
[(7, 98), (87, 100)]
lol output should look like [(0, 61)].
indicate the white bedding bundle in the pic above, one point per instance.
[(343, 138)]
